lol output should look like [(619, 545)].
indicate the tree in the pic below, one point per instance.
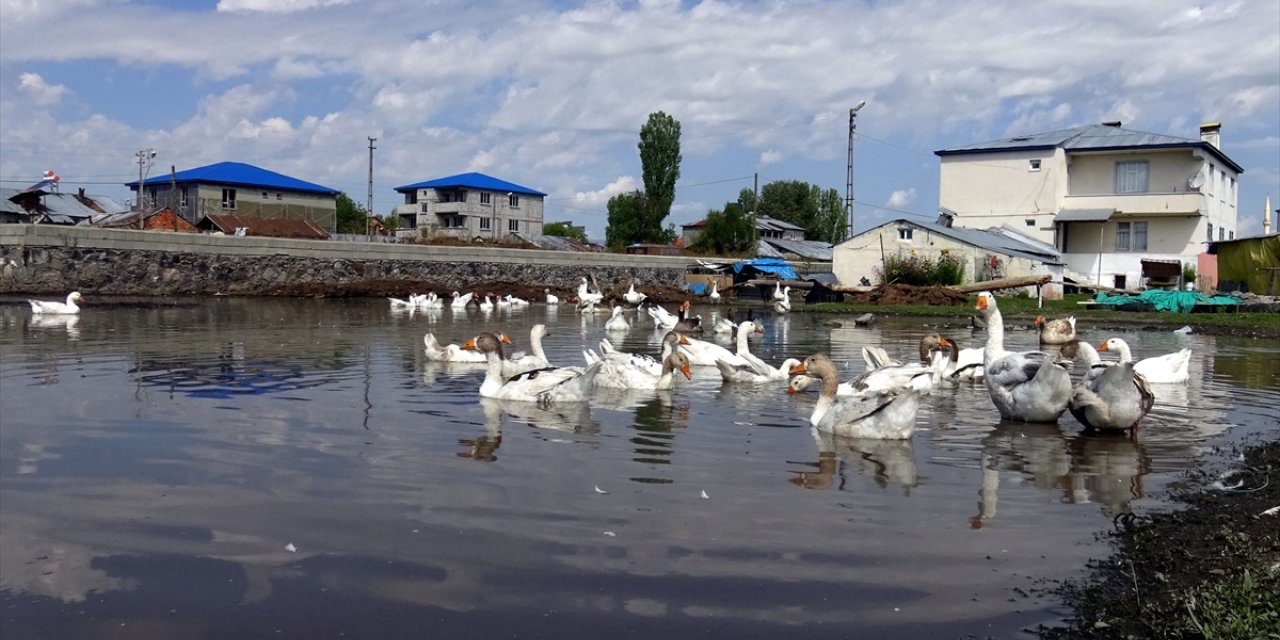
[(564, 230), (830, 225), (747, 198), (351, 216), (820, 213), (728, 232), (626, 219), (390, 222), (660, 166)]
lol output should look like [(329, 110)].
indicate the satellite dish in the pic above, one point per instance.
[(1196, 181)]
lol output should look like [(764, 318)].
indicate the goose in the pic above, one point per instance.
[(723, 325), (461, 302), (520, 362), (686, 324), (962, 364), (799, 383), (782, 305), (1058, 331), (585, 295), (715, 292), (501, 302), (68, 307), (704, 354), (750, 375), (662, 318), (452, 352), (428, 301), (891, 377), (1028, 386), (1170, 368), (623, 373), (617, 322), (546, 386), (619, 360), (1112, 396), (486, 305), (778, 293), (551, 297), (400, 304), (885, 415), (633, 297), (514, 301)]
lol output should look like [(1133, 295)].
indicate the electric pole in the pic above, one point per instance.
[(368, 211), (848, 186), (145, 158)]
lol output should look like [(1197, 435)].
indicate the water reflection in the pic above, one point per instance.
[(572, 417), (70, 324), (886, 462)]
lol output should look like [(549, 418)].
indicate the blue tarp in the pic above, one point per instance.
[(1175, 301), (773, 266)]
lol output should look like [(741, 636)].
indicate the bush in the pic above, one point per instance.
[(917, 271)]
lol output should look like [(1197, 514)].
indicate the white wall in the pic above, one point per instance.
[(994, 189)]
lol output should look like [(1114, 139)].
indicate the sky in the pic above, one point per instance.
[(551, 94)]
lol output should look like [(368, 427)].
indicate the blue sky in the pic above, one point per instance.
[(551, 95)]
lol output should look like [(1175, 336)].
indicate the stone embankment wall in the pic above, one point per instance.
[(46, 259)]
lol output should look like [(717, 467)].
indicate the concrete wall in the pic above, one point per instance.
[(993, 189), (55, 259), (430, 210)]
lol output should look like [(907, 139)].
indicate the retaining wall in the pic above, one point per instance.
[(48, 259)]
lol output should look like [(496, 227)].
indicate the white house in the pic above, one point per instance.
[(469, 205), (986, 253), (1105, 196)]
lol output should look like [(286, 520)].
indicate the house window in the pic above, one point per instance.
[(279, 196), (183, 198), (1033, 165), (1122, 236), (513, 225), (265, 196), (904, 233), (485, 223), (228, 198), (1030, 222), (1131, 177), (1139, 236), (1120, 282), (1210, 232), (513, 200), (1231, 235), (1222, 233), (485, 197)]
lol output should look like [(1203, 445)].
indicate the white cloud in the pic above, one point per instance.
[(901, 198), (41, 92), (600, 197), (769, 156), (274, 6)]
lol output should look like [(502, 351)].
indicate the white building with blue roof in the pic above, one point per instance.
[(243, 190), (1106, 197), (469, 205)]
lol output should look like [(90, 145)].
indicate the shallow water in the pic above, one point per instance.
[(156, 461)]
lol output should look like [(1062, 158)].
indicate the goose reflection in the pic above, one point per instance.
[(887, 462), (68, 323), (573, 417)]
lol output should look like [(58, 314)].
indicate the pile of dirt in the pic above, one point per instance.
[(908, 294)]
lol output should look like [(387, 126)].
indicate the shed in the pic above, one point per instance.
[(1249, 264)]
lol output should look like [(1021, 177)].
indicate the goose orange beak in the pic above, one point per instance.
[(505, 340), (982, 303), (798, 369), (683, 340), (1039, 321), (469, 345), (1103, 347), (688, 374), (759, 329), (791, 389), (944, 343)]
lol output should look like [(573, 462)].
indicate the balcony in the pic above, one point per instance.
[(1144, 204)]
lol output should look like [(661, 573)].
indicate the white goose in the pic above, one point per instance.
[(520, 362), (662, 318), (460, 301), (551, 297), (723, 325), (1112, 396), (651, 366), (799, 383), (400, 304), (1170, 368), (778, 293), (516, 302), (486, 304), (68, 307), (1029, 386), (429, 301), (623, 371), (961, 364), (782, 305), (632, 296), (617, 322), (544, 386), (885, 415), (452, 352), (585, 295), (715, 292), (705, 354)]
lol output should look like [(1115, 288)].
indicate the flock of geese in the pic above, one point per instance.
[(880, 403)]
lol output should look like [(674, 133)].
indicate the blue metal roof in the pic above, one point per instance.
[(471, 180), (238, 174), (1094, 137)]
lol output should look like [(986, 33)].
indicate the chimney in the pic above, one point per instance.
[(1211, 132), (945, 217), (1111, 123), (81, 192), (1266, 218)]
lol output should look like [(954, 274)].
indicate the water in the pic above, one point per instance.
[(156, 461)]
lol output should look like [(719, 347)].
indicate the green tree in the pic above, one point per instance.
[(391, 222), (660, 166), (747, 198), (819, 212), (830, 225), (351, 216), (564, 230), (626, 219), (728, 232)]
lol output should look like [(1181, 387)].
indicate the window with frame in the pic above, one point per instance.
[(266, 196), (1131, 177), (1122, 236), (485, 223), (182, 198), (1210, 232), (228, 198), (513, 225), (279, 196), (1033, 165), (904, 233), (1222, 233), (485, 197), (1231, 235), (1139, 236), (513, 200)]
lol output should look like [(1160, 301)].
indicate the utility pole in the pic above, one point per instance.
[(368, 211), (145, 158), (848, 186)]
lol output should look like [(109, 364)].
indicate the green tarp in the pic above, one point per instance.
[(1175, 301), (1251, 262)]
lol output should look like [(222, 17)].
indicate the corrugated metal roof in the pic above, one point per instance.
[(7, 205), (812, 249), (554, 243), (983, 239), (471, 180), (1084, 215), (55, 207), (238, 174), (765, 222), (1094, 137), (264, 227)]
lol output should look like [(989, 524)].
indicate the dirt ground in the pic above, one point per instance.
[(1209, 570), (907, 294)]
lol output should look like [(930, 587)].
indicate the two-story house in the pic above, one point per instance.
[(469, 205), (236, 188), (1105, 196)]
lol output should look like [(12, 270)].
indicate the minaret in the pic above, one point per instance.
[(1266, 218)]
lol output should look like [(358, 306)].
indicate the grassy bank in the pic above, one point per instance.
[(1024, 310), (1209, 570)]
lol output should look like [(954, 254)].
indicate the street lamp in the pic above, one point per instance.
[(848, 187)]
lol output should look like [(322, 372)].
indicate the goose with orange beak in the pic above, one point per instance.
[(1028, 386), (884, 414)]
